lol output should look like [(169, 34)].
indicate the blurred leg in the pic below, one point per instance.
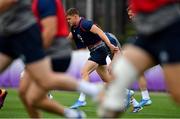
[(25, 82), (172, 74), (42, 74), (126, 69), (5, 61), (44, 80), (46, 104), (42, 102)]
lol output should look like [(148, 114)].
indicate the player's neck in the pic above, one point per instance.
[(78, 21)]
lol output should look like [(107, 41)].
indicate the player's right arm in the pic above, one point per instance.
[(6, 4), (96, 30)]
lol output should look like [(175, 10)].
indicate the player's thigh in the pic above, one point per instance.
[(89, 67), (172, 74), (41, 70), (103, 72)]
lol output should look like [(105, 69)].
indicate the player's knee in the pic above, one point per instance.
[(21, 90), (31, 100), (22, 93)]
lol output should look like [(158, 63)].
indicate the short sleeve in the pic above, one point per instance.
[(86, 25), (46, 8)]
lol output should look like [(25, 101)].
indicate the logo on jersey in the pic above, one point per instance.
[(79, 37)]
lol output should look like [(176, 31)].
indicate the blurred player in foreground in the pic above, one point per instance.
[(157, 43), (145, 101), (20, 37)]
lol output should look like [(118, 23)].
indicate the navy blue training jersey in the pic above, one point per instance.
[(82, 35)]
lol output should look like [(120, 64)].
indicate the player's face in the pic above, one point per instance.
[(71, 20)]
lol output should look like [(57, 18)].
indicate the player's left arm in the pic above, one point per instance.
[(96, 30), (6, 4), (49, 25)]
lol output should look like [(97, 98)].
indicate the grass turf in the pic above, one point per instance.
[(162, 106)]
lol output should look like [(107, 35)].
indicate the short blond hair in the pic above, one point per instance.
[(72, 11)]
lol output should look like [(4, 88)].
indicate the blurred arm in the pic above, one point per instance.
[(49, 25), (6, 4)]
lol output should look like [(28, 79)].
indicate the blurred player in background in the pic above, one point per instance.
[(85, 33), (20, 37), (157, 43)]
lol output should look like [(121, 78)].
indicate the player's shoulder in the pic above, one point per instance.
[(86, 22)]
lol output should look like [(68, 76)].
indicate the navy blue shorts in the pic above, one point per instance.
[(163, 46), (60, 54), (99, 53), (60, 64), (26, 45)]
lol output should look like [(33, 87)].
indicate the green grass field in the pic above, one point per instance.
[(162, 106)]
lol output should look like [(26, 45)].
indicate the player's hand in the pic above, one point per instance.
[(113, 48)]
